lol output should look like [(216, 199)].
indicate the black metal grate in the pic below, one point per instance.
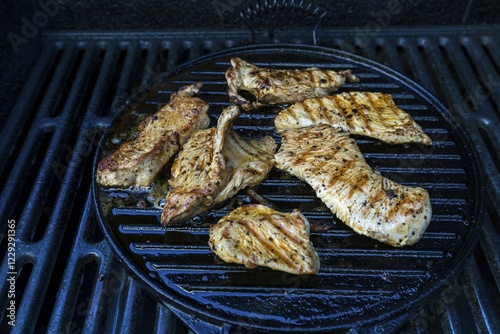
[(68, 279), (359, 277)]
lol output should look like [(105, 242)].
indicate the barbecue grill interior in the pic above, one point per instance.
[(69, 68)]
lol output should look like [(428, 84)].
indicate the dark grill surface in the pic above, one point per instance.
[(68, 278), (359, 277)]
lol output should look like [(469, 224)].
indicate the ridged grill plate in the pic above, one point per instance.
[(362, 283)]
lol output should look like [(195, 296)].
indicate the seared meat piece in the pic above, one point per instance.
[(191, 186), (213, 166), (199, 172), (255, 235), (330, 161), (361, 113), (137, 162), (272, 86), (248, 163)]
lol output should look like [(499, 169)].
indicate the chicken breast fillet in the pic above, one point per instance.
[(137, 162), (272, 86), (213, 166), (361, 113), (255, 235), (330, 161)]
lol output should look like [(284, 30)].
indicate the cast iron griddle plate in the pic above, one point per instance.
[(361, 282)]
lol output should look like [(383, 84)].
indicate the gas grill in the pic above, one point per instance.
[(66, 89)]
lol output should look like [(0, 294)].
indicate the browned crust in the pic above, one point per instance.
[(138, 161), (273, 86), (255, 235), (361, 113)]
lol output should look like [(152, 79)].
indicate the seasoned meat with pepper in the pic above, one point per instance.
[(213, 166), (330, 161), (273, 86), (255, 235), (137, 162), (361, 113)]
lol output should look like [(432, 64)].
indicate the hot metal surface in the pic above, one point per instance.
[(362, 283), (68, 277)]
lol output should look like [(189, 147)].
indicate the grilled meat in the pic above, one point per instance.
[(213, 166), (191, 187), (272, 86), (199, 172), (255, 235), (248, 163), (330, 161), (137, 162), (361, 113)]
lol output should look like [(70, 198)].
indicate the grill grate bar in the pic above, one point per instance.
[(204, 254), (16, 182), (486, 74), (66, 302), (173, 55), (493, 51), (486, 320), (419, 70), (491, 245), (132, 309), (125, 78), (93, 320), (296, 292), (150, 68), (454, 322), (390, 50), (193, 269), (103, 81), (17, 119), (165, 321)]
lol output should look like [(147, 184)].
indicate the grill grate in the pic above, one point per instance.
[(182, 260), (77, 85)]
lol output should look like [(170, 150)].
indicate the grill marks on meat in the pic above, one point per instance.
[(330, 161), (213, 166), (199, 172), (255, 235), (361, 113), (137, 162), (316, 148), (248, 163), (272, 86), (191, 187)]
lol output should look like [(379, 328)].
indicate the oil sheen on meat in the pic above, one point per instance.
[(331, 162), (273, 86), (255, 235), (213, 166), (137, 162), (360, 113)]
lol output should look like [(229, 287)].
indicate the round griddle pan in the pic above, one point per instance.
[(362, 284)]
